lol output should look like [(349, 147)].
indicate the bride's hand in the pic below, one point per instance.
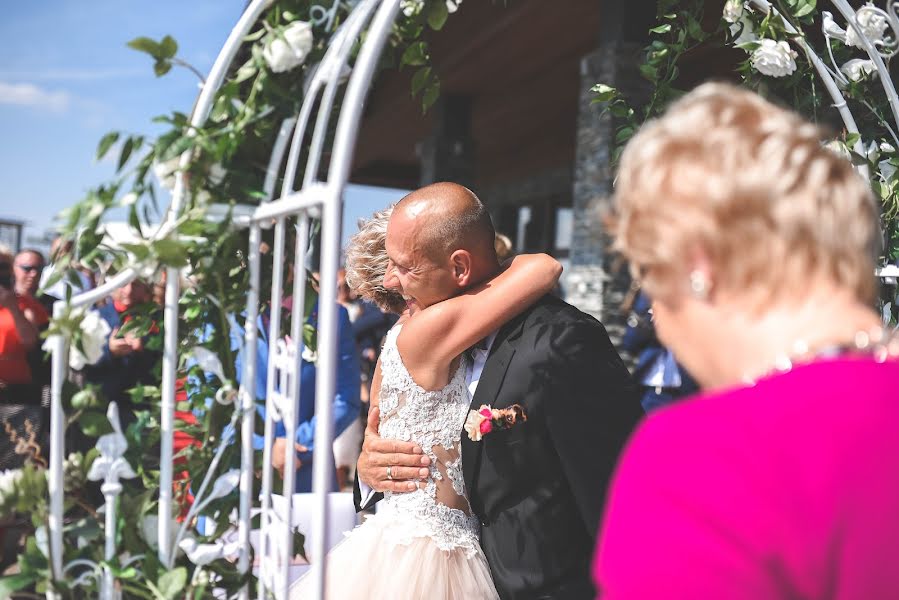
[(408, 465)]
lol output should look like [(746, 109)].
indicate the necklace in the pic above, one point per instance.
[(881, 344)]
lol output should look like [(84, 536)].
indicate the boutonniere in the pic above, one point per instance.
[(482, 421)]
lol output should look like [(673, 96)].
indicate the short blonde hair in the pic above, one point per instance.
[(366, 263), (750, 184)]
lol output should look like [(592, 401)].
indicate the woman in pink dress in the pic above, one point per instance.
[(782, 479)]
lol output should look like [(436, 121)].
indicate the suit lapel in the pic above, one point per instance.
[(491, 380)]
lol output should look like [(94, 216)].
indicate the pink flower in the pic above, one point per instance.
[(486, 412), (486, 426)]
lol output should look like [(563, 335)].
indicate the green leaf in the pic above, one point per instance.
[(168, 47), (170, 252), (106, 143), (94, 424), (125, 154), (162, 67), (145, 44), (172, 582), (14, 583), (415, 55), (420, 80), (437, 14), (430, 96), (604, 92), (661, 28)]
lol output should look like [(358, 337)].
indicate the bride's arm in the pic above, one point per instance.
[(439, 333)]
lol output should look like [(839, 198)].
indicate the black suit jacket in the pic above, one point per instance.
[(539, 487)]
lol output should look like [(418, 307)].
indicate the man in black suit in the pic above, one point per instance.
[(538, 487)]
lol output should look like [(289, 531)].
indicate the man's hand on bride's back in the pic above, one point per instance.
[(408, 465)]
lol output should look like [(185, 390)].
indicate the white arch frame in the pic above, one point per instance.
[(322, 198)]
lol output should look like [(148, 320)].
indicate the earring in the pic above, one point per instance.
[(699, 285)]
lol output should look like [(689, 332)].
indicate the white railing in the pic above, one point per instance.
[(319, 197)]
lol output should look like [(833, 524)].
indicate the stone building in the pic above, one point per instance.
[(516, 123)]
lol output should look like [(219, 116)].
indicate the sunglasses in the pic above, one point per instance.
[(29, 268)]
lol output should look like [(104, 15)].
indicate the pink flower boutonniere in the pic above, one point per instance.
[(482, 421)]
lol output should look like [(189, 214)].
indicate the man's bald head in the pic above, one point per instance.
[(449, 217)]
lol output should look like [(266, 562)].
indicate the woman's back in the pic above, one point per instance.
[(788, 489), (433, 420)]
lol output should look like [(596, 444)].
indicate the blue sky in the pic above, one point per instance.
[(67, 77)]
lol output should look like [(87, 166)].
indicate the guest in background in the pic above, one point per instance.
[(21, 418), (345, 408), (662, 379), (781, 480), (132, 353), (80, 280), (370, 325)]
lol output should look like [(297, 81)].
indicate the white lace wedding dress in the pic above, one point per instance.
[(421, 544)]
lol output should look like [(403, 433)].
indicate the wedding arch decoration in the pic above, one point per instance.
[(833, 68), (290, 83)]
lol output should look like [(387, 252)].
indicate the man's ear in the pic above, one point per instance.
[(461, 262)]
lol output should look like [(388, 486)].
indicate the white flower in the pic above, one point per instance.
[(887, 148), (128, 199), (839, 148), (289, 49), (871, 23), (203, 554), (411, 8), (733, 10), (473, 425), (166, 171), (208, 361), (775, 59), (42, 541), (309, 355), (94, 334), (858, 68), (8, 481)]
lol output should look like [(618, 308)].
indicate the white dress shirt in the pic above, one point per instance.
[(473, 373)]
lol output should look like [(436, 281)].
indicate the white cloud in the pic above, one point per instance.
[(30, 95)]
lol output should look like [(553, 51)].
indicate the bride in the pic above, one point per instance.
[(425, 543)]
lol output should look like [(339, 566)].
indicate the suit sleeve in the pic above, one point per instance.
[(593, 409)]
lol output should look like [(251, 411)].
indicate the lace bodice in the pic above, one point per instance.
[(433, 420)]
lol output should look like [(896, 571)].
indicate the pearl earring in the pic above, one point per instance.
[(699, 285)]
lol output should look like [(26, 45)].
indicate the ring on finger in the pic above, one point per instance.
[(389, 474)]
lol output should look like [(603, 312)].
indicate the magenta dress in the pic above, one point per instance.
[(788, 489)]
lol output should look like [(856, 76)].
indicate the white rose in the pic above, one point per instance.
[(94, 334), (288, 50), (411, 8), (871, 23), (473, 426), (887, 148), (775, 59), (858, 68), (165, 172), (733, 10)]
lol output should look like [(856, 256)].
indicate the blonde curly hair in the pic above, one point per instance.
[(366, 263)]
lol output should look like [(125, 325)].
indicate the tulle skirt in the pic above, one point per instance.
[(370, 565)]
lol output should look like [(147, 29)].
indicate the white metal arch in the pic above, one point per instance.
[(317, 198)]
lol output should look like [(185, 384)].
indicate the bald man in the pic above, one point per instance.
[(537, 488)]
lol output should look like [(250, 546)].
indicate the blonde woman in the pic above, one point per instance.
[(782, 479)]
